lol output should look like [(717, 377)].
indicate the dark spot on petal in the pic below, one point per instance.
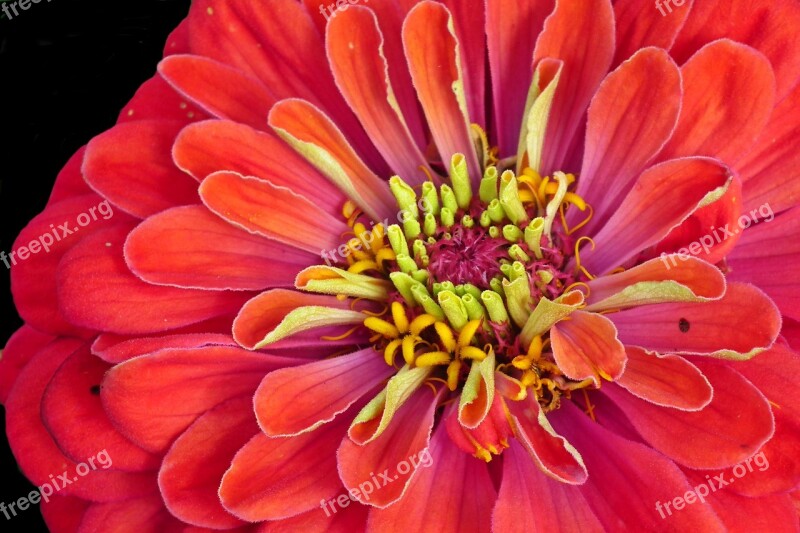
[(683, 325), (95, 389)]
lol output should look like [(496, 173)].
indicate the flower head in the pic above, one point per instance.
[(360, 281)]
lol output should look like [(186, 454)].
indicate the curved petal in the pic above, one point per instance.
[(190, 475), (131, 165), (181, 386), (433, 54), (665, 380), (19, 350), (581, 34), (585, 346), (355, 52), (276, 478), (768, 255), (189, 247), (425, 507), (397, 455), (157, 100), (291, 401), (740, 325), (551, 452), (662, 197), (207, 147), (118, 348), (274, 212), (222, 91), (512, 27), (334, 520), (556, 506), (630, 118), (639, 25), (97, 290), (311, 133), (729, 93), (768, 28), (657, 281), (733, 427)]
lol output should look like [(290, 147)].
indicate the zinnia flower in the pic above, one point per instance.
[(458, 266)]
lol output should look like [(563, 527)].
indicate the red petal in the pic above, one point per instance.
[(551, 452), (220, 90), (582, 35), (33, 281), (273, 212), (63, 514), (662, 197), (767, 170), (143, 515), (207, 147), (396, 456), (769, 28), (586, 346), (354, 45), (251, 38), (620, 141), (117, 348), (275, 478), (336, 520), (304, 123), (768, 255), (665, 380), (192, 248), (193, 468), (464, 506), (154, 398), (639, 25), (21, 347), (70, 182), (729, 93), (96, 290), (620, 489), (432, 52), (157, 100), (74, 394), (131, 165), (512, 27), (736, 423), (555, 507), (743, 321), (38, 455), (296, 400)]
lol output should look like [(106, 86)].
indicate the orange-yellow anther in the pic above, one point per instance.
[(433, 359), (381, 326), (400, 317), (409, 347), (391, 351), (420, 323), (468, 333), (453, 372), (446, 336)]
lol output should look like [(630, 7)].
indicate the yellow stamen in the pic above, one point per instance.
[(453, 372), (409, 346), (433, 359), (381, 326), (390, 351), (400, 317), (446, 336), (420, 323)]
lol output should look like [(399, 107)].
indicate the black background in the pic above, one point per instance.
[(67, 67)]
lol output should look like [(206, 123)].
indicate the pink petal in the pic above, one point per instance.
[(742, 323), (433, 58), (354, 45), (768, 255), (192, 248), (665, 380), (511, 30), (582, 35), (620, 141), (660, 199), (297, 400), (426, 507), (557, 506), (729, 93), (736, 423)]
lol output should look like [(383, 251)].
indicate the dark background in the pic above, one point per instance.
[(66, 69)]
